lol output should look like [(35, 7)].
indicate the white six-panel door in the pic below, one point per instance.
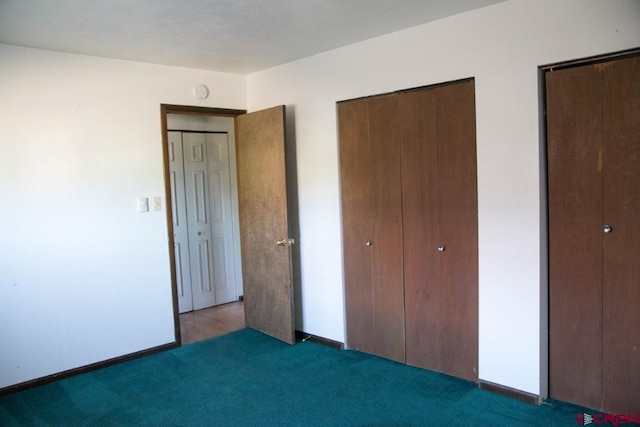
[(204, 243)]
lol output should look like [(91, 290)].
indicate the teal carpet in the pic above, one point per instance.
[(248, 379)]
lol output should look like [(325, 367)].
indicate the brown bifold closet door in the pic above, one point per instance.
[(593, 139), (439, 195), (372, 225), (410, 227), (386, 231), (355, 166)]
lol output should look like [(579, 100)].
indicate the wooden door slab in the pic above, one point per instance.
[(262, 199)]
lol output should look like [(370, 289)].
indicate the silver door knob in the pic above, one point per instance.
[(607, 229), (367, 242), (441, 248)]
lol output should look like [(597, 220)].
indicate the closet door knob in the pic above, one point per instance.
[(367, 242), (607, 229), (441, 248)]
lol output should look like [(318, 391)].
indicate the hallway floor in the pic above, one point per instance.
[(211, 322)]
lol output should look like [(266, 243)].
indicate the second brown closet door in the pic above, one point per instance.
[(593, 128), (409, 217)]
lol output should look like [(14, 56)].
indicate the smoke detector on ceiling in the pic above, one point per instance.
[(201, 92)]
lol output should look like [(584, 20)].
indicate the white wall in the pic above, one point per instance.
[(83, 276), (501, 46)]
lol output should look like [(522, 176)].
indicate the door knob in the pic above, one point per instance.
[(367, 242), (441, 248), (607, 229), (285, 242), (200, 233)]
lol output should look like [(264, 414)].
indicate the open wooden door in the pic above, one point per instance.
[(264, 230)]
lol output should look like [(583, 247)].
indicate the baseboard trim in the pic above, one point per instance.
[(303, 336), (84, 369), (510, 392)]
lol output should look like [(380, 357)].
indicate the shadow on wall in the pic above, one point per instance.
[(293, 211)]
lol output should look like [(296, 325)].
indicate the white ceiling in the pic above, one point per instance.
[(238, 36)]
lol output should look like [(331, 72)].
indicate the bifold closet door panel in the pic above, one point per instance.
[(420, 210), (621, 285), (386, 236), (372, 226), (456, 121), (575, 164), (440, 228), (355, 178)]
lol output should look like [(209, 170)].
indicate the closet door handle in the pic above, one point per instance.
[(607, 229), (441, 248), (367, 243)]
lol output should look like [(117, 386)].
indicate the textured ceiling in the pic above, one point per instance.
[(238, 36)]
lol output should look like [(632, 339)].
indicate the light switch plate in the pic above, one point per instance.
[(143, 204), (157, 204)]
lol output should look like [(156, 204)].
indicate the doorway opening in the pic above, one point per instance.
[(202, 219), (262, 209)]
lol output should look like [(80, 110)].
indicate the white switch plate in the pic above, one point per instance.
[(157, 204), (143, 204)]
